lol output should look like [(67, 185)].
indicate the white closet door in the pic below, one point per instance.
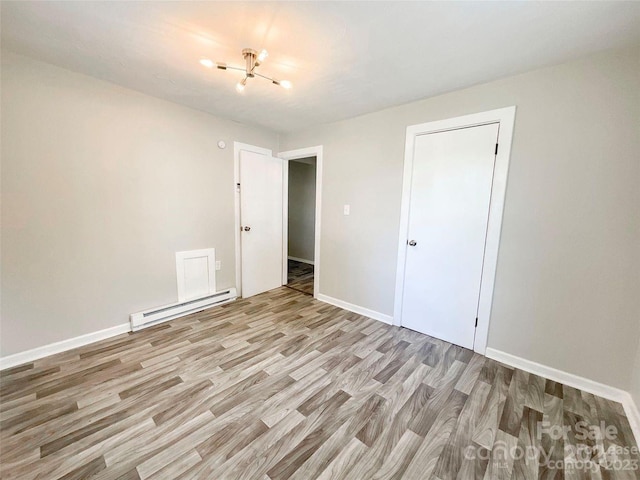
[(449, 209)]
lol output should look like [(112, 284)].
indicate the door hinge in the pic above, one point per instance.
[(476, 322), (496, 149)]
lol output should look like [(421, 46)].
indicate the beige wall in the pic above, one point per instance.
[(302, 209), (100, 187), (566, 291)]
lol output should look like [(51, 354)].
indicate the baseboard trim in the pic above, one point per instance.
[(575, 381), (633, 415), (356, 309), (301, 260), (62, 346)]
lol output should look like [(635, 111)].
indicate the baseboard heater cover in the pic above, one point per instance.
[(169, 312)]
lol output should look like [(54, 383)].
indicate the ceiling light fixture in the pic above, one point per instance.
[(253, 60)]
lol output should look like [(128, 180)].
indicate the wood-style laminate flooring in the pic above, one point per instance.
[(300, 276), (281, 386)]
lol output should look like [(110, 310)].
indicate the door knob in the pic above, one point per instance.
[(412, 243), (246, 229)]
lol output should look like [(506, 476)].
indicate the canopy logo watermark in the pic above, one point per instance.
[(580, 447)]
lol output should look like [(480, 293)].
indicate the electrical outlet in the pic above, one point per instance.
[(218, 265), (347, 209)]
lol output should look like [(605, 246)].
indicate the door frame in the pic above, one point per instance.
[(237, 146), (506, 118), (294, 155)]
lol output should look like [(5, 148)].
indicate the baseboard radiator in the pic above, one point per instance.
[(169, 312)]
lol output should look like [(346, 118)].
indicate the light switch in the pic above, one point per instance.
[(218, 265), (347, 209)]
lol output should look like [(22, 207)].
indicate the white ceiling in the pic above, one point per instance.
[(344, 58)]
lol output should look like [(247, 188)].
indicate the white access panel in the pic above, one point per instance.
[(196, 273)]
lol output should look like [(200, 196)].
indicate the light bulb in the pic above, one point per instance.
[(240, 87), (207, 63), (263, 56), (285, 84)]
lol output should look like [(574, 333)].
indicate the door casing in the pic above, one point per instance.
[(506, 118)]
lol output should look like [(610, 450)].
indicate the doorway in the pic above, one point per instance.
[(453, 197), (302, 214), (301, 186)]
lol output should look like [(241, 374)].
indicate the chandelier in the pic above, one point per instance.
[(253, 60)]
